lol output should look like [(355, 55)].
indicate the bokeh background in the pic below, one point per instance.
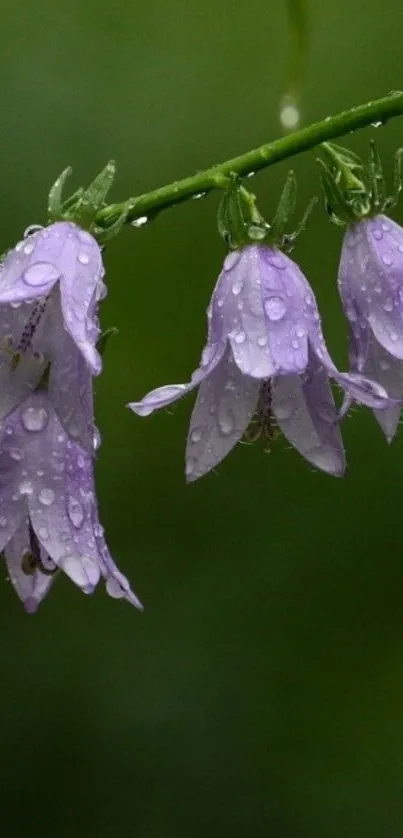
[(261, 692)]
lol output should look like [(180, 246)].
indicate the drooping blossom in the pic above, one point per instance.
[(265, 352), (371, 288), (48, 507), (50, 287)]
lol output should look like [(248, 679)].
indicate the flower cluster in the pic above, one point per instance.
[(265, 368), (266, 362), (50, 288)]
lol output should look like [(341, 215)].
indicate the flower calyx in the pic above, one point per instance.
[(84, 205), (355, 189), (240, 222)]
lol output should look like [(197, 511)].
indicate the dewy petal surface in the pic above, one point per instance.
[(45, 474), (70, 391), (388, 370), (238, 295), (170, 393), (371, 277), (66, 255), (305, 411), (33, 587), (225, 404)]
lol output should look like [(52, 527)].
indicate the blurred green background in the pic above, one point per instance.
[(261, 692)]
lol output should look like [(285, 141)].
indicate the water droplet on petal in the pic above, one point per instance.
[(83, 258), (33, 228), (277, 260), (295, 343), (388, 305), (75, 512), (275, 307), (387, 259), (29, 248), (43, 533), (46, 496), (98, 530), (393, 336), (26, 487), (300, 332), (237, 288), (3, 521), (195, 435), (226, 424), (377, 233), (34, 418), (231, 260), (16, 454), (262, 341), (385, 226), (41, 273), (240, 337)]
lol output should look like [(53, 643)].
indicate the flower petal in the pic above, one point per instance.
[(61, 253), (225, 404), (70, 391), (371, 274), (389, 372), (89, 535), (306, 413), (239, 295), (170, 393), (30, 587), (284, 294)]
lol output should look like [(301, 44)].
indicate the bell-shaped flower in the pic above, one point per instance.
[(50, 287), (371, 288), (265, 356), (48, 507)]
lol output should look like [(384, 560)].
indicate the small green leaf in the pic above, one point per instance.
[(55, 206)]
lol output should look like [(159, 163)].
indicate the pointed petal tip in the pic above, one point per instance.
[(91, 356), (140, 409), (31, 605)]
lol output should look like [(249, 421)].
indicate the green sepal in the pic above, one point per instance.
[(55, 204), (376, 180), (93, 198), (336, 204), (104, 338), (393, 199), (285, 208), (347, 195), (238, 219)]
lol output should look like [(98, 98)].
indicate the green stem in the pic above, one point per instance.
[(148, 205)]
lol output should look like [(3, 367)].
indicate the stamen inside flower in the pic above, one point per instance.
[(263, 423), (31, 559)]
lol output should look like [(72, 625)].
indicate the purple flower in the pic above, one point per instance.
[(48, 508), (50, 287), (265, 353), (371, 288)]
